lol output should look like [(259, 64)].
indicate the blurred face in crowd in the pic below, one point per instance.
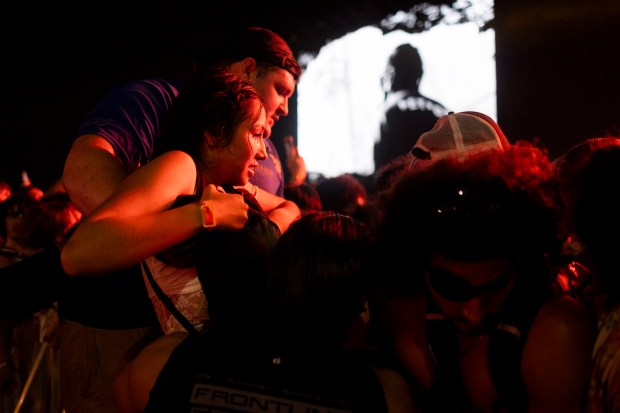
[(470, 293)]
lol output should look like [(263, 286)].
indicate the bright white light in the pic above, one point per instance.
[(340, 98)]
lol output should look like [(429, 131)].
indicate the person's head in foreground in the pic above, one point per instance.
[(319, 278), (479, 227), (264, 58)]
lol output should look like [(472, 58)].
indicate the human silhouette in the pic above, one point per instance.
[(407, 113)]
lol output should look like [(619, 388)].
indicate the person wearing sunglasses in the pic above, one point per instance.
[(467, 301)]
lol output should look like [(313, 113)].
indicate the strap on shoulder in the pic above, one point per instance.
[(168, 302)]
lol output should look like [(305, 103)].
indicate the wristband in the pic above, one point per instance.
[(208, 218)]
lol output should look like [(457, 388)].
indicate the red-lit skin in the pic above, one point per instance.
[(274, 85), (136, 221), (556, 355), (235, 164), (92, 171)]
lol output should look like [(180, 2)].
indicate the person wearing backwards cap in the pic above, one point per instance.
[(455, 134), (458, 134), (104, 316), (468, 247)]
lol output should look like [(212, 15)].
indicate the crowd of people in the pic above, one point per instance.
[(177, 270)]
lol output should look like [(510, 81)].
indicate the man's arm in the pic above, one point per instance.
[(556, 357), (91, 172), (281, 211)]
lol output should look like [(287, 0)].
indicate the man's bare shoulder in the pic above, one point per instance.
[(564, 310), (90, 141), (557, 355)]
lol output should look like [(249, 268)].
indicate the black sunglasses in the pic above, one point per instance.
[(454, 288)]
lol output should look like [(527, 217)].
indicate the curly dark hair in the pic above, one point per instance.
[(490, 205)]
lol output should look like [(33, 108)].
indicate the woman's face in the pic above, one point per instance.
[(236, 163)]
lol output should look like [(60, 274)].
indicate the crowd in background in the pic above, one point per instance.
[(584, 210), (468, 273)]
